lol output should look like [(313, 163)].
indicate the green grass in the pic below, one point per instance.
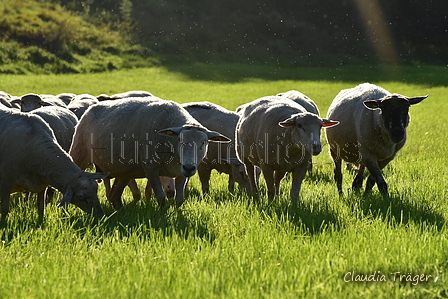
[(225, 246)]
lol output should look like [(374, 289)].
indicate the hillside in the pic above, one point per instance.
[(40, 37)]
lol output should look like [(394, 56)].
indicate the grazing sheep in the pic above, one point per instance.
[(128, 94), (372, 130), (62, 122), (31, 160), (221, 157), (301, 99), (161, 139), (80, 103), (278, 135), (33, 101)]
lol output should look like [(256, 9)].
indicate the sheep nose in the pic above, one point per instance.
[(188, 170), (317, 148)]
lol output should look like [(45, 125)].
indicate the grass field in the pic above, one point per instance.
[(223, 245)]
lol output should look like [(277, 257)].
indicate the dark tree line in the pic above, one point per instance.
[(295, 32)]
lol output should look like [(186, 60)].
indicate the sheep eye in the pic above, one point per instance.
[(299, 126)]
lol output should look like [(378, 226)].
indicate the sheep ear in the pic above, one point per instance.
[(326, 123), (171, 131), (372, 104), (216, 137), (287, 122), (68, 195), (417, 100)]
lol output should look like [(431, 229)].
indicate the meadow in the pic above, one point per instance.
[(224, 245)]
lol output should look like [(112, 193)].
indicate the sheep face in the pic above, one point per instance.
[(193, 143), (239, 173), (82, 192), (305, 130), (394, 114)]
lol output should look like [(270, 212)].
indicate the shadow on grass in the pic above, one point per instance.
[(423, 74), (145, 219), (396, 209), (312, 217)]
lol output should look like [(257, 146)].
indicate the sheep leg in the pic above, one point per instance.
[(268, 174), (337, 170), (310, 165), (251, 173), (278, 176), (231, 183), (359, 178), (180, 183), (148, 190), (106, 182), (41, 204), (49, 194), (297, 177), (204, 176), (154, 181), (136, 194), (117, 191), (376, 176)]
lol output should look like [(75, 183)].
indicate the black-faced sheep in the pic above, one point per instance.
[(372, 130), (278, 135), (142, 137), (31, 159)]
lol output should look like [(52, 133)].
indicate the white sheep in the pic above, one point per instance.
[(221, 157), (80, 103), (62, 121), (31, 160), (372, 130), (278, 135), (127, 94), (301, 99), (142, 137), (5, 99)]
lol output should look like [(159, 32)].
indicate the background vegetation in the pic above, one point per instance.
[(60, 36), (227, 246)]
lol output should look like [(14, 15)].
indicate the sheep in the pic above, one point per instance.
[(278, 135), (80, 103), (5, 99), (128, 94), (66, 97), (31, 160), (33, 101), (221, 157), (372, 130), (302, 100), (161, 139), (62, 121)]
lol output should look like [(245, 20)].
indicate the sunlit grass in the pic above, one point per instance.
[(226, 245)]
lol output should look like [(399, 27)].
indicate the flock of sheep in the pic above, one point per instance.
[(49, 141)]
